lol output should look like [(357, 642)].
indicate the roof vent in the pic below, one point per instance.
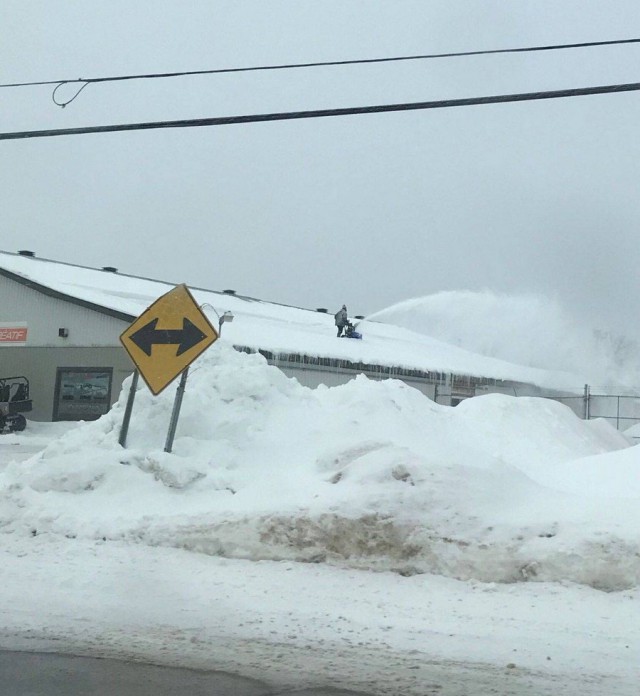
[(322, 309), (229, 292), (109, 269), (26, 252)]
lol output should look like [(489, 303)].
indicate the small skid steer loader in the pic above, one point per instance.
[(14, 401)]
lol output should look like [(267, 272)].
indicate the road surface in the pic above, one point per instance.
[(49, 674)]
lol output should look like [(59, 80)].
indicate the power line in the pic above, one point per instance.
[(320, 113), (361, 61)]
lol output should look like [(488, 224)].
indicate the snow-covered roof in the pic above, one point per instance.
[(269, 326)]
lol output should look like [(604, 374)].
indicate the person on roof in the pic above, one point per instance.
[(341, 319)]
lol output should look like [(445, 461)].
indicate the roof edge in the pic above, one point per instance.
[(170, 284), (49, 292)]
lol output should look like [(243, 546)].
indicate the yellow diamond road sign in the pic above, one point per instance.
[(167, 337)]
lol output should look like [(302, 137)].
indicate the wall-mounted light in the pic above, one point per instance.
[(226, 316)]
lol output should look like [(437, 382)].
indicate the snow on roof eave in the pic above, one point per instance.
[(118, 274), (544, 381), (50, 292), (315, 359)]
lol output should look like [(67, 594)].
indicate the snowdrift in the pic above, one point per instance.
[(366, 475)]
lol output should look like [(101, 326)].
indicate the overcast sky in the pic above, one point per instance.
[(367, 210)]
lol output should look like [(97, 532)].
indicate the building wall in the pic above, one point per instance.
[(40, 365), (93, 341), (45, 315)]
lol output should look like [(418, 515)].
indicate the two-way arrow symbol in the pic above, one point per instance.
[(148, 336)]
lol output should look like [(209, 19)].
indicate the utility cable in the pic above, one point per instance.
[(361, 61), (349, 111), (75, 96)]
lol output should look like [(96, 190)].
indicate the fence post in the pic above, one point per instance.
[(587, 396)]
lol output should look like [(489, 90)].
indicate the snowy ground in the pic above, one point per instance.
[(361, 537), (297, 625)]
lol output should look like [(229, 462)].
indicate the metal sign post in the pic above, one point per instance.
[(173, 424), (124, 429)]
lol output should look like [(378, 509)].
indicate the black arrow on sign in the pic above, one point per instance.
[(186, 337)]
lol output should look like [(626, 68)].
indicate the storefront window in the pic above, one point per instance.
[(82, 393)]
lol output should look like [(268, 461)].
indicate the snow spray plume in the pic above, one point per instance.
[(530, 330)]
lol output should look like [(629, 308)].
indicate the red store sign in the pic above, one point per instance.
[(12, 334)]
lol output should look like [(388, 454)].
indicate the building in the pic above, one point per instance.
[(60, 325)]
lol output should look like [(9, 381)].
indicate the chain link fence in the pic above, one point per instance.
[(622, 411)]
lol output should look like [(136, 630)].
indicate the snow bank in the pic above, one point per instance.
[(366, 475)]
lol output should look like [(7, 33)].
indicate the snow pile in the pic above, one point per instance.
[(528, 330), (366, 475)]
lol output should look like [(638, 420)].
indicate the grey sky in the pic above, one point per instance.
[(367, 210)]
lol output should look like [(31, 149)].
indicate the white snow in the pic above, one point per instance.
[(283, 329), (527, 329), (360, 533)]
